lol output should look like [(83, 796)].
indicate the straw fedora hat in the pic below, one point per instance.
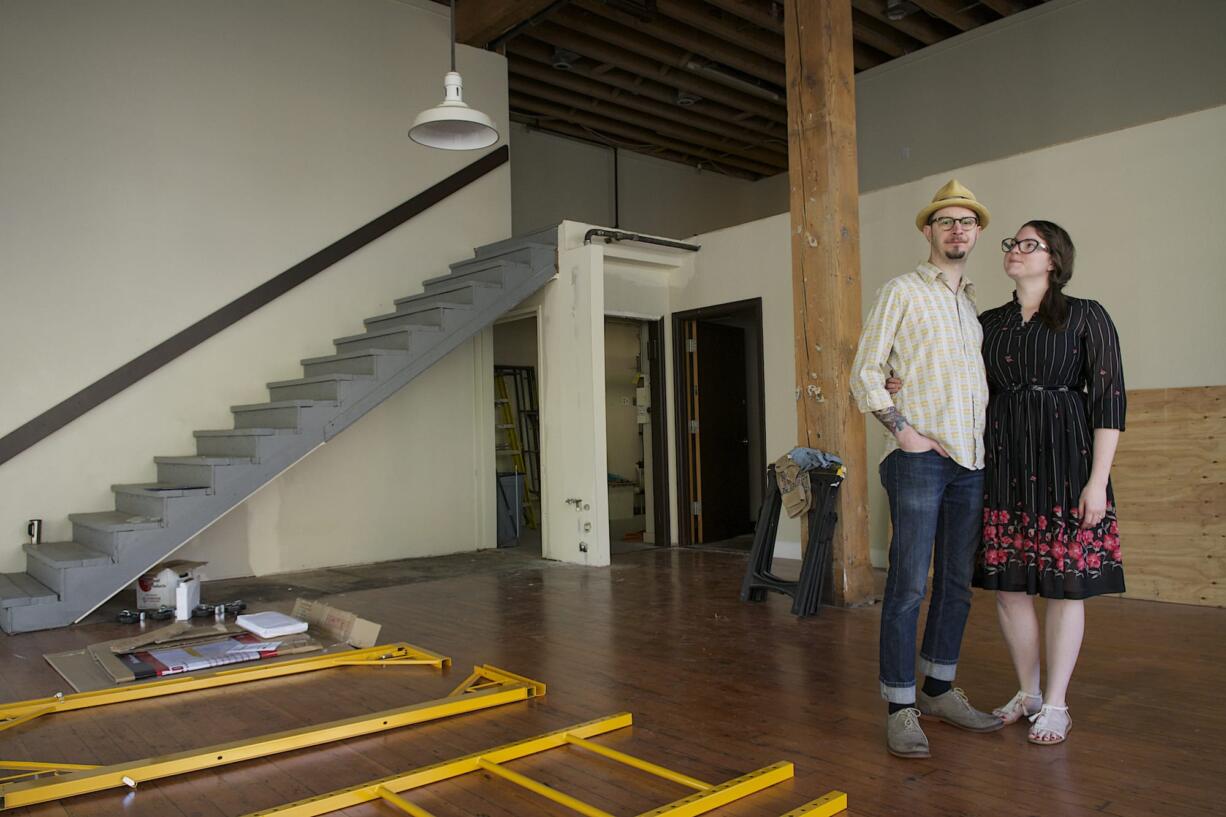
[(953, 194)]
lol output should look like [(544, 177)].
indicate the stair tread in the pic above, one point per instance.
[(422, 307), (67, 554), (198, 459), (21, 589), (351, 355), (242, 432), (319, 378), (467, 267), (444, 287), (115, 521), (161, 489), (280, 404), (391, 330)]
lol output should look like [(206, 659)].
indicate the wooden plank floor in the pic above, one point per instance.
[(717, 688)]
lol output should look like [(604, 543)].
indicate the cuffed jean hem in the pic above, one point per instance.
[(942, 672), (898, 695)]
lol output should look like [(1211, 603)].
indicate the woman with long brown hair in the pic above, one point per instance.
[(1055, 414)]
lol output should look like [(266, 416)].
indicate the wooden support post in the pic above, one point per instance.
[(825, 199)]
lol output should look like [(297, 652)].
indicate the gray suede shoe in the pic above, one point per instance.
[(903, 735), (953, 708)]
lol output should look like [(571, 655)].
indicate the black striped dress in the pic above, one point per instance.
[(1049, 390)]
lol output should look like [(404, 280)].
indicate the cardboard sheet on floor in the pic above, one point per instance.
[(99, 666)]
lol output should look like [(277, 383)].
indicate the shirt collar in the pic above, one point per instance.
[(931, 272)]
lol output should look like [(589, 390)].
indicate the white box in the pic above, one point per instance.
[(271, 625), (157, 587)]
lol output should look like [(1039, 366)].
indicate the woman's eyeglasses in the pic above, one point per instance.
[(1026, 245)]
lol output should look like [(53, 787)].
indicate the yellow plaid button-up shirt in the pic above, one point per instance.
[(930, 336)]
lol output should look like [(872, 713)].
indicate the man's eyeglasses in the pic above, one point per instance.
[(1026, 245), (947, 222)]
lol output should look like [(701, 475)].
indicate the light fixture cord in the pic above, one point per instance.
[(453, 36)]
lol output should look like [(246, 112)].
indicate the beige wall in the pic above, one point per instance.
[(162, 158), (1142, 205)]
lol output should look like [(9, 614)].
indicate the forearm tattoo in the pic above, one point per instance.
[(891, 419)]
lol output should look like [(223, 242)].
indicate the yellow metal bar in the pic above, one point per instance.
[(827, 805), (725, 793), (523, 781), (640, 764), (446, 770), (484, 676), (139, 771), (398, 654), (44, 767), (34, 768), (399, 802)]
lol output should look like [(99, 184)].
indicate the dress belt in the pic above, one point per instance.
[(1023, 387)]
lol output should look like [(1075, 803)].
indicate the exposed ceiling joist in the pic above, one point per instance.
[(638, 135), (615, 46), (772, 162), (958, 13), (666, 110), (762, 13), (918, 25), (618, 80), (685, 42), (480, 22)]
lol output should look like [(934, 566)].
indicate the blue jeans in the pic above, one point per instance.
[(933, 502)]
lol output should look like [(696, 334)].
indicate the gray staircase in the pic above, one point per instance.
[(65, 581)]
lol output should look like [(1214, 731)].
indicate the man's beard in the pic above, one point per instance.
[(956, 252)]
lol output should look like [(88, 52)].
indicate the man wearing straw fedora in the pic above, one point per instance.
[(924, 327)]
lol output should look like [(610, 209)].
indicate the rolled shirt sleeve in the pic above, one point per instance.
[(876, 341)]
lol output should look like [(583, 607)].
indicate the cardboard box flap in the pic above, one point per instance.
[(336, 623)]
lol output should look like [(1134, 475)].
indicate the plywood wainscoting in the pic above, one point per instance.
[(1170, 485)]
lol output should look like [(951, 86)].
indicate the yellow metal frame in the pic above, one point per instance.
[(707, 796), (828, 804), (486, 687), (385, 655)]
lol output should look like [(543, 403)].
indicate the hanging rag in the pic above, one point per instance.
[(792, 475)]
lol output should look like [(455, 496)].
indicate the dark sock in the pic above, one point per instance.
[(933, 687), (899, 707)]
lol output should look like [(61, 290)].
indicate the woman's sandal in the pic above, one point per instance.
[(1050, 726), (1021, 705)]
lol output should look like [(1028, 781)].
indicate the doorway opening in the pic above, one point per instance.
[(721, 421), (635, 435), (517, 434)]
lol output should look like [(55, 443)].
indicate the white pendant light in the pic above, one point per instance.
[(452, 125)]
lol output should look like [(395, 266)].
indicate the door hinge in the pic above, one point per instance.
[(691, 345), (693, 426), (696, 508)]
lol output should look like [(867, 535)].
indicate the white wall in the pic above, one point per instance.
[(161, 157), (1142, 205)]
